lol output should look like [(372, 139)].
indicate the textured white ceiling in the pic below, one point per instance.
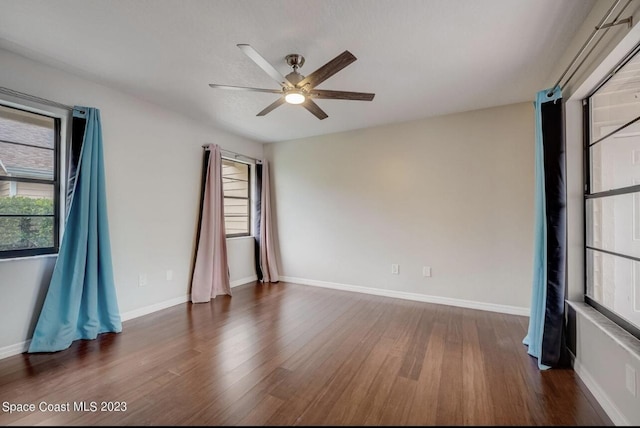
[(420, 57)]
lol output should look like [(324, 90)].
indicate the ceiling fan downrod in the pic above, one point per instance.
[(294, 61)]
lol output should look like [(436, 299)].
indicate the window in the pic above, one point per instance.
[(237, 206), (29, 183), (612, 196)]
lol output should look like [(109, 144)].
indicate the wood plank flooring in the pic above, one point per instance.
[(286, 354)]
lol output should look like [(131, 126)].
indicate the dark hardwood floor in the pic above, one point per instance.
[(286, 354)]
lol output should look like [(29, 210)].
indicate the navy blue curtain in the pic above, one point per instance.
[(258, 216), (546, 334), (203, 184), (81, 300)]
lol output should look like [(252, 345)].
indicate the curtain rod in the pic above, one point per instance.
[(604, 33), (28, 97), (206, 147), (601, 26)]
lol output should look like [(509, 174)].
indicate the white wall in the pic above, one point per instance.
[(153, 158), (454, 193)]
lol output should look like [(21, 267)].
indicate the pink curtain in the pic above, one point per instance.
[(267, 245), (211, 271)]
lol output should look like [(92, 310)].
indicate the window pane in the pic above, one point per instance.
[(39, 201), (235, 185), (613, 223), (615, 161), (236, 225), (236, 207), (25, 161), (28, 130), (617, 101), (614, 282), (19, 233), (28, 219), (235, 179), (236, 216)]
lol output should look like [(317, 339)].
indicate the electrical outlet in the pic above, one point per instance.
[(142, 280), (395, 269), (169, 275), (631, 380), (426, 271)]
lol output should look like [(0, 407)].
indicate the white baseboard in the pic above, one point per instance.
[(178, 300), (506, 309), (15, 349), (153, 308), (19, 348), (601, 397), (242, 281)]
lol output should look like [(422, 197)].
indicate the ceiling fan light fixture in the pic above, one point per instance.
[(295, 97)]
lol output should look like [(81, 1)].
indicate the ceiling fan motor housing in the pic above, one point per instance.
[(294, 77)]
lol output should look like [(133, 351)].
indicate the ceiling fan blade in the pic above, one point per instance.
[(315, 109), (341, 95), (327, 70), (265, 65), (272, 106), (243, 88)]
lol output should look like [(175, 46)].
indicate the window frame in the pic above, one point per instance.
[(248, 198), (587, 195), (59, 123)]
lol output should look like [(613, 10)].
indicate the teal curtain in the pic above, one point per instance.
[(81, 300), (546, 322)]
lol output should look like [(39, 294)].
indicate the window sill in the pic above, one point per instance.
[(611, 329), (39, 256)]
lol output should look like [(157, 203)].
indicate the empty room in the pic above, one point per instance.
[(319, 212)]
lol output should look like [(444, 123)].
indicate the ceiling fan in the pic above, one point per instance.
[(298, 89)]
